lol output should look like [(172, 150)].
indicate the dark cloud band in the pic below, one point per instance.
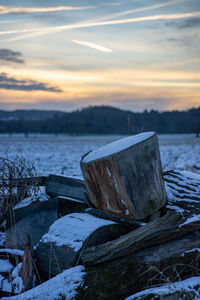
[(10, 83), (7, 55)]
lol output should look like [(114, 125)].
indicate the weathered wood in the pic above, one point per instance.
[(133, 224), (34, 219), (66, 186), (167, 262), (27, 269), (60, 247), (159, 231), (68, 205), (183, 192), (125, 177)]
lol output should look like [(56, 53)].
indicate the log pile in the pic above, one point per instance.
[(127, 225)]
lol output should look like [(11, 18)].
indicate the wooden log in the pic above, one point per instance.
[(183, 192), (168, 262), (66, 186), (34, 219), (125, 177), (26, 181), (159, 231), (61, 246), (27, 269), (133, 224)]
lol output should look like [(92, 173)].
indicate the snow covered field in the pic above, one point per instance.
[(61, 154)]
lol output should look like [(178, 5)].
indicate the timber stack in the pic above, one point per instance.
[(125, 228)]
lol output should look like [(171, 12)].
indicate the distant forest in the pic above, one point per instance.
[(99, 120)]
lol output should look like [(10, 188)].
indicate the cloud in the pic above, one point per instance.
[(92, 45), (43, 31), (11, 83), (25, 10), (141, 9), (190, 23), (7, 56)]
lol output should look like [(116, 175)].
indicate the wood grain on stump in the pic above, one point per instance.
[(125, 177)]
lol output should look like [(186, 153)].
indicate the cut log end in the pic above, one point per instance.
[(125, 177)]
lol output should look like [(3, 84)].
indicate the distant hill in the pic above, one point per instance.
[(99, 120)]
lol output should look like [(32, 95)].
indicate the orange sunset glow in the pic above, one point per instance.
[(130, 54)]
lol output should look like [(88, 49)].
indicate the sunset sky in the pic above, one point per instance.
[(131, 54)]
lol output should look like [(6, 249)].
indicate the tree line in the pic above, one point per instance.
[(101, 120)]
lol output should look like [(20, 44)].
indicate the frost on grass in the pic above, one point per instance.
[(63, 285), (62, 154), (189, 287), (73, 230)]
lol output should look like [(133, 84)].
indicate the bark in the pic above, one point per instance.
[(159, 231), (168, 262), (129, 182)]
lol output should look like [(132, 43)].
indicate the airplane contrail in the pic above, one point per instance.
[(48, 30)]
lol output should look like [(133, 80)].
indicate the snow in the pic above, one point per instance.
[(181, 286), (17, 282), (12, 251), (176, 208), (40, 197), (194, 218), (193, 250), (6, 286), (5, 266), (73, 230), (64, 284), (117, 146), (183, 187), (191, 175), (62, 154)]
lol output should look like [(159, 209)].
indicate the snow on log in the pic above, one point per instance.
[(167, 228), (185, 289), (60, 247), (171, 261), (183, 191), (125, 177)]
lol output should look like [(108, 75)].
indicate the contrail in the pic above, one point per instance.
[(141, 9), (24, 10), (43, 31), (92, 45)]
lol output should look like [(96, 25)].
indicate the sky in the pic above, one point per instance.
[(131, 54)]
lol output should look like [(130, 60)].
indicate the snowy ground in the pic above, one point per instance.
[(62, 154)]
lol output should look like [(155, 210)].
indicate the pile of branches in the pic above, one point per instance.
[(13, 184)]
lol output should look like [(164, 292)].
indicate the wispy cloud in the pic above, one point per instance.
[(193, 22), (7, 56), (25, 10), (43, 31), (6, 21), (11, 83), (141, 9), (92, 45)]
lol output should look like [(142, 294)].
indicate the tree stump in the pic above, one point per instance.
[(125, 177)]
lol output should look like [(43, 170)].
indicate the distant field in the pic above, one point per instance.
[(62, 154)]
